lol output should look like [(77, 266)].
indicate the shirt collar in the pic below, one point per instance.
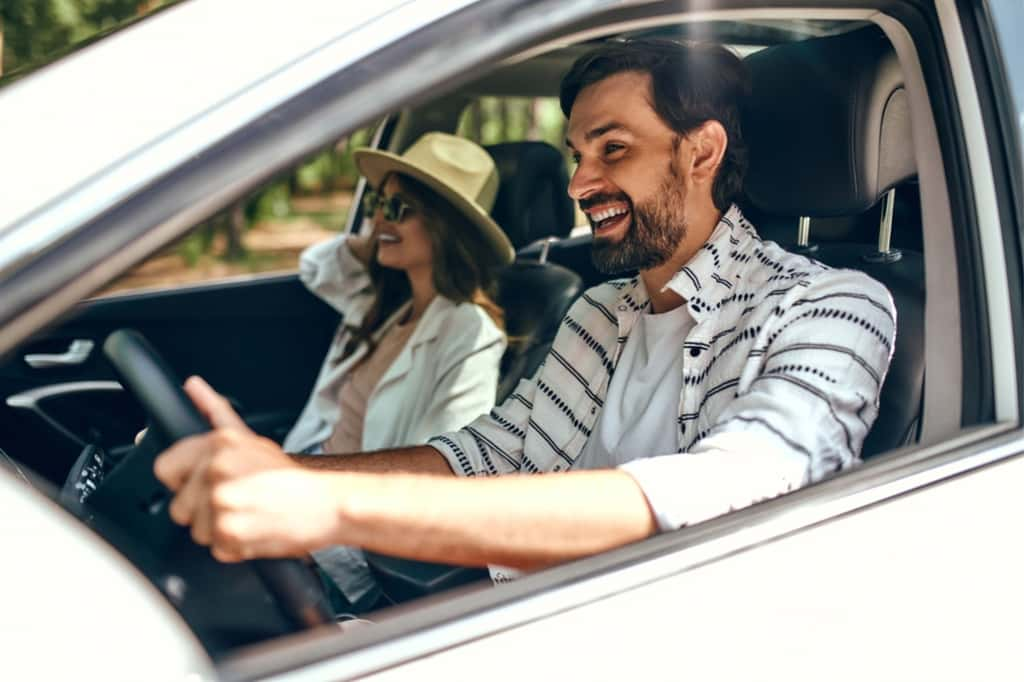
[(710, 276)]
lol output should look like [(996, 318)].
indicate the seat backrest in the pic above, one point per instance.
[(899, 417), (533, 200), (828, 128), (535, 297), (532, 203)]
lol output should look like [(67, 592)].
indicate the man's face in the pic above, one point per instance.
[(628, 179)]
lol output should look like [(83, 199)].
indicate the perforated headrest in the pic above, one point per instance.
[(828, 125), (532, 198)]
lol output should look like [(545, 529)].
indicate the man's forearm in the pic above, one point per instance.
[(518, 521), (421, 459)]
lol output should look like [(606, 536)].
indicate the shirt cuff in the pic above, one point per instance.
[(729, 471), (448, 445)]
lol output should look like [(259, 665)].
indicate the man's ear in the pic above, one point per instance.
[(709, 142)]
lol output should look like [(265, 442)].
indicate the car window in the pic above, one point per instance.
[(264, 231)]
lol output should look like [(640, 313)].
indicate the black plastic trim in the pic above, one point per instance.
[(1000, 116)]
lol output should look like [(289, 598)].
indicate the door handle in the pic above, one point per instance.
[(76, 354)]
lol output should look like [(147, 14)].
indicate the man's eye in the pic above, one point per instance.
[(576, 158), (613, 147)]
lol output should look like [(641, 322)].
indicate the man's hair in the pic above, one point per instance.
[(691, 83)]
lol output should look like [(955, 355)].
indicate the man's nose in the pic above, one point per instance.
[(586, 180)]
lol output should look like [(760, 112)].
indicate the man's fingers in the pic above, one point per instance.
[(190, 506), (175, 465), (226, 556), (213, 405)]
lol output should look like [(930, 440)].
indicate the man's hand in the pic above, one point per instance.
[(240, 493), (245, 498)]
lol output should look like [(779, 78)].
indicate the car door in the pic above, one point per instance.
[(259, 340)]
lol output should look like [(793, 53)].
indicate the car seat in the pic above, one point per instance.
[(532, 204), (828, 128)]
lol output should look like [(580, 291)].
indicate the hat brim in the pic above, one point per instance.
[(375, 165)]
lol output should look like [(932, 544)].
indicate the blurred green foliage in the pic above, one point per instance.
[(34, 32)]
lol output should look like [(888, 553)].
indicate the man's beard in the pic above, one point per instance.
[(652, 237)]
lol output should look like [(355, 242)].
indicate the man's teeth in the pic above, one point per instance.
[(607, 213), (388, 238)]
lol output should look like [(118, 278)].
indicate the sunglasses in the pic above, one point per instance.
[(394, 208)]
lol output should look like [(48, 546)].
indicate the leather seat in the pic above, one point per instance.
[(535, 297), (828, 126), (533, 200), (532, 203)]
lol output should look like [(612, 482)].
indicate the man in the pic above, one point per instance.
[(726, 372)]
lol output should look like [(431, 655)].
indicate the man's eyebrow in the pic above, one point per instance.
[(594, 133)]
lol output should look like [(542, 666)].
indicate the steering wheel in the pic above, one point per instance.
[(297, 593)]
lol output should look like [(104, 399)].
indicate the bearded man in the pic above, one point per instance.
[(725, 372)]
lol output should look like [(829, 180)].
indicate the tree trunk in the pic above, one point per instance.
[(1, 47), (236, 232), (505, 116), (533, 131), (475, 123)]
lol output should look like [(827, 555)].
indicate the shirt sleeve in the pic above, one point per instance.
[(331, 272), (803, 416), (492, 444)]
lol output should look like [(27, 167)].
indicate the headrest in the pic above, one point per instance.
[(532, 200), (828, 125)]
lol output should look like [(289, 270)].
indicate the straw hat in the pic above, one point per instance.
[(457, 169)]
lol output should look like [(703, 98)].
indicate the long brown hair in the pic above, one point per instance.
[(461, 272)]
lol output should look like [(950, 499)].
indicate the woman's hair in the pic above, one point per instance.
[(461, 273)]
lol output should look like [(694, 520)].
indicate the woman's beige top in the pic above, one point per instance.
[(355, 391)]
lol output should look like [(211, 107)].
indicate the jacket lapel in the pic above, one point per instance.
[(427, 329)]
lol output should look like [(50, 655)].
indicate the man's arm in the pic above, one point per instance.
[(245, 498), (421, 459)]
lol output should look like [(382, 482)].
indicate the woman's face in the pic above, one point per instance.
[(403, 244)]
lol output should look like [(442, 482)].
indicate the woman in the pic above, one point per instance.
[(421, 339)]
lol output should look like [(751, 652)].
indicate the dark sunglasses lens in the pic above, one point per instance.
[(394, 209)]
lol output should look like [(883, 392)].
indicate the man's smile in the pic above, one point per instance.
[(607, 218)]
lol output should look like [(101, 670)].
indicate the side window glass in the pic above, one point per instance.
[(263, 232)]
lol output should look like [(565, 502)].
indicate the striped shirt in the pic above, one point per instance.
[(781, 377)]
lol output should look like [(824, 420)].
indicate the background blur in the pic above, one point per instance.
[(267, 230)]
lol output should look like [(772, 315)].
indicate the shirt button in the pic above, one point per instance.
[(593, 410), (694, 352), (623, 308)]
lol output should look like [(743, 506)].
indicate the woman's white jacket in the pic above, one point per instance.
[(444, 377)]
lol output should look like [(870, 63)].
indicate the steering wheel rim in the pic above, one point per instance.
[(145, 374)]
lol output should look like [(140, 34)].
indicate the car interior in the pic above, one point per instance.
[(855, 204)]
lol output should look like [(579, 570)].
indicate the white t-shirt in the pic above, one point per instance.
[(641, 410), (640, 414)]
